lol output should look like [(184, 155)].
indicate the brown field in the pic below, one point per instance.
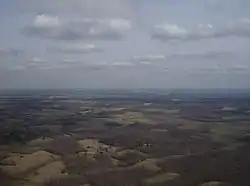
[(124, 141), (161, 178), (53, 170), (20, 163)]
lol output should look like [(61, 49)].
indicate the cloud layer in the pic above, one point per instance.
[(167, 32), (115, 43), (186, 56), (51, 27), (77, 49)]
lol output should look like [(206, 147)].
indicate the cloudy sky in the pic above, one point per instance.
[(124, 44)]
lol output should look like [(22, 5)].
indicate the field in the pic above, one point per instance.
[(117, 138)]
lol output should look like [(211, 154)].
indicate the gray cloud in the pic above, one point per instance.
[(89, 8), (51, 27), (239, 68), (6, 53), (54, 29), (203, 55), (122, 64), (169, 32), (11, 59), (77, 49), (151, 59), (211, 69), (16, 68), (36, 62)]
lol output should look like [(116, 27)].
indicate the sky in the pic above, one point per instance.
[(124, 44)]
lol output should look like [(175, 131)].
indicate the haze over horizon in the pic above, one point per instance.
[(125, 44)]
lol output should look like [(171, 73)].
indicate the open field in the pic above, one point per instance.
[(74, 139)]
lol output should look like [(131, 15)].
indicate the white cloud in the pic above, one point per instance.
[(85, 65), (149, 58), (167, 32), (122, 64), (78, 49), (239, 68), (202, 55), (51, 27), (210, 69), (46, 21), (36, 60), (69, 61), (117, 24), (17, 68), (145, 63)]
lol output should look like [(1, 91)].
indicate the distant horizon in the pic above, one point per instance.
[(132, 89)]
